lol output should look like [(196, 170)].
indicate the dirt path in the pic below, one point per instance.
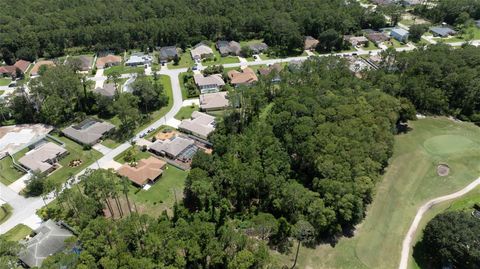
[(407, 242)]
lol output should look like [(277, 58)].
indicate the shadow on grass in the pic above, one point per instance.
[(420, 254)]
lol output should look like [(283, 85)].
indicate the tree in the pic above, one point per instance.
[(329, 40), (416, 32), (36, 184), (126, 107), (8, 253), (246, 52), (151, 96), (451, 238)]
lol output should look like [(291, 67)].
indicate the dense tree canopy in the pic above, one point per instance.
[(451, 238), (450, 11), (47, 27)]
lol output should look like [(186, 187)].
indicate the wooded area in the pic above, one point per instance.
[(45, 28)]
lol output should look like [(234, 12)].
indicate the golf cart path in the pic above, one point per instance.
[(407, 241)]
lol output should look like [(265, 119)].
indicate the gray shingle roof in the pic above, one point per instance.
[(442, 31), (88, 132), (200, 124), (167, 53), (173, 146), (216, 100), (39, 159), (107, 90), (50, 239)]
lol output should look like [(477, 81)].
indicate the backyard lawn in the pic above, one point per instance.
[(186, 61), (110, 143), (9, 173), (186, 112), (370, 46), (137, 156), (182, 86), (161, 196), (5, 81), (76, 152), (395, 43), (123, 70), (17, 233), (5, 212), (220, 59), (409, 181)]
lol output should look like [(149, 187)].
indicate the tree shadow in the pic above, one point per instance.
[(403, 128), (420, 255)]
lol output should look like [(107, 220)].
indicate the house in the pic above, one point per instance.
[(258, 48), (168, 54), (19, 67), (228, 48), (399, 34), (137, 59), (295, 65), (108, 90), (49, 239), (85, 62), (201, 51), (213, 101), (109, 60), (377, 37), (265, 71), (356, 40), (200, 125), (310, 43), (36, 68), (176, 147), (245, 77), (89, 131), (44, 158), (383, 2), (145, 171), (442, 31), (211, 83)]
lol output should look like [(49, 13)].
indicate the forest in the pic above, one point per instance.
[(46, 28), (450, 11)]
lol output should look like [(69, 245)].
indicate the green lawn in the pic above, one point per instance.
[(186, 112), (123, 70), (76, 152), (370, 46), (409, 181), (473, 31), (110, 143), (161, 196), (1, 92), (182, 86), (138, 155), (186, 61), (5, 212), (395, 43), (9, 173), (220, 59), (5, 81), (17, 233)]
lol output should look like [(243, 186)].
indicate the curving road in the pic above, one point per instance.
[(407, 242)]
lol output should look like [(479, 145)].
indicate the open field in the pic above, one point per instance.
[(17, 233), (409, 181), (124, 70), (186, 112)]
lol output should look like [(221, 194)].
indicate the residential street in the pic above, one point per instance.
[(24, 208)]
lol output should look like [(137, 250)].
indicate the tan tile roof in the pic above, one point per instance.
[(215, 79), (247, 76), (37, 66), (310, 43), (201, 49), (22, 65), (146, 170), (216, 100), (38, 159), (109, 59), (200, 124)]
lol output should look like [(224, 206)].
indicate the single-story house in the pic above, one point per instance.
[(201, 51), (109, 60), (107, 90), (43, 159), (174, 147), (412, 2), (245, 77), (213, 101), (85, 62), (49, 239), (295, 65), (228, 48), (442, 31), (211, 83), (200, 125), (168, 54), (399, 34), (137, 59), (36, 67), (310, 43), (383, 2), (89, 131), (356, 40), (377, 37), (145, 171), (276, 68), (258, 48), (19, 66)]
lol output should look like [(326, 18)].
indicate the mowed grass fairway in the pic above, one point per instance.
[(409, 181)]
